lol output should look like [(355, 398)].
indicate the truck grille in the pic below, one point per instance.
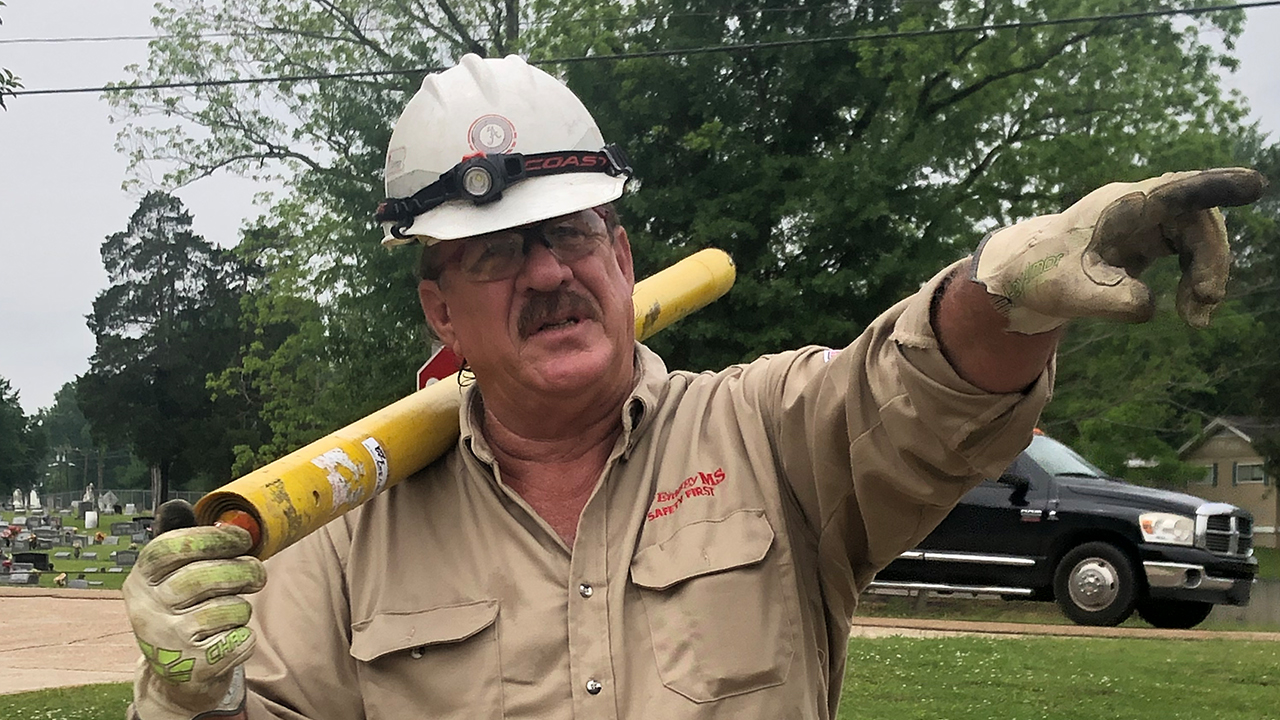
[(1228, 534)]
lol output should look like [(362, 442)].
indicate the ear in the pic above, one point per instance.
[(622, 252), (436, 310)]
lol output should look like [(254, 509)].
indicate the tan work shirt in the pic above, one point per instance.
[(716, 566)]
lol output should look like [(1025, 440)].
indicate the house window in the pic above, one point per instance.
[(1210, 476), (1243, 473)]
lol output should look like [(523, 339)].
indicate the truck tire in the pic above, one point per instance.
[(1095, 584), (1174, 614)]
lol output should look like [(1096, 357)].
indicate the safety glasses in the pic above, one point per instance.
[(500, 255)]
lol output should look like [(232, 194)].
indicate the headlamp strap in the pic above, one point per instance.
[(504, 169)]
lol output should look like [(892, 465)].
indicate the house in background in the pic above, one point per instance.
[(1234, 470)]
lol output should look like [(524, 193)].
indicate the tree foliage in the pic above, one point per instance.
[(22, 446), (168, 320), (8, 81), (839, 174)]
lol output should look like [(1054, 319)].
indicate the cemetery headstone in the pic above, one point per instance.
[(125, 558), (63, 555), (95, 583), (21, 578), (115, 569), (78, 584), (111, 540), (130, 509), (89, 556), (42, 544), (25, 567), (89, 570), (139, 538), (123, 529)]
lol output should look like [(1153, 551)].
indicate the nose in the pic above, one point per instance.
[(542, 270)]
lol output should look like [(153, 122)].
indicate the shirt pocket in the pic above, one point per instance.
[(441, 662), (718, 611)]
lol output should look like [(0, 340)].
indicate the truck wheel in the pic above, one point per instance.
[(1095, 585), (1174, 614)]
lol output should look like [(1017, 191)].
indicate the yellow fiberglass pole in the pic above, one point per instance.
[(296, 495)]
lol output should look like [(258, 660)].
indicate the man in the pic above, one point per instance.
[(609, 539)]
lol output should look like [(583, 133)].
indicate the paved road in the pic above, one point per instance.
[(55, 638)]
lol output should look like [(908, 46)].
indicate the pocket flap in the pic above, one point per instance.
[(702, 548), (386, 633)]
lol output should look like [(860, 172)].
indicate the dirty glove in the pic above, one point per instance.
[(182, 601), (1084, 262)]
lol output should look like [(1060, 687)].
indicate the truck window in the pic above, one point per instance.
[(1058, 459)]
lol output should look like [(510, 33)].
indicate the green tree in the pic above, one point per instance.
[(168, 320), (68, 434), (22, 446), (8, 81)]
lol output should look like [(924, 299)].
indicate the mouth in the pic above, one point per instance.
[(555, 311), (558, 325)]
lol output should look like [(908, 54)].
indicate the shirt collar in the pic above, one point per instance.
[(650, 377)]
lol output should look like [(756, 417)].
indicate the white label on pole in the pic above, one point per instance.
[(380, 463)]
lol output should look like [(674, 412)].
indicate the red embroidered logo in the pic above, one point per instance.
[(703, 484)]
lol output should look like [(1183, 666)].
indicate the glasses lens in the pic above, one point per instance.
[(500, 255), (493, 256), (574, 237)]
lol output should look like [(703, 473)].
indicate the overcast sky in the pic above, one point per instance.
[(60, 176)]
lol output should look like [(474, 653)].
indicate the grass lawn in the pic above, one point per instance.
[(963, 679)]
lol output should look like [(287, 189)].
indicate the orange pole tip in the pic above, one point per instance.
[(242, 519)]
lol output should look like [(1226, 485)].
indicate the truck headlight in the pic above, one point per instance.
[(1167, 528)]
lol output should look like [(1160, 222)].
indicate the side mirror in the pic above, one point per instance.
[(1017, 482), (1020, 484)]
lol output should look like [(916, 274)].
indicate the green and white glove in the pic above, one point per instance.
[(182, 598), (1085, 262)]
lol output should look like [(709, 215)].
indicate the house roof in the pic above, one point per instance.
[(1248, 429)]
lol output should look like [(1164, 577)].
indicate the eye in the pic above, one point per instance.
[(484, 256)]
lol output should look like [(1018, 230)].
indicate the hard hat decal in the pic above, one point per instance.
[(491, 134)]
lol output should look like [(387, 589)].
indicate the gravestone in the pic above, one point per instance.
[(111, 540), (89, 556), (78, 584), (126, 558), (95, 583), (23, 578), (42, 544), (55, 521), (123, 529), (84, 540), (115, 569), (140, 538), (37, 560), (64, 555), (89, 570), (20, 545), (130, 509), (25, 567)]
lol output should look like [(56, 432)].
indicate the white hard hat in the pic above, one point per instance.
[(492, 144)]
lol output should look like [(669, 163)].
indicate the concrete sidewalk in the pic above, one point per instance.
[(54, 638)]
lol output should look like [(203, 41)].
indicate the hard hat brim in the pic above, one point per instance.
[(526, 202)]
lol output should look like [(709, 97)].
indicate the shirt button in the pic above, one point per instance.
[(594, 687), (585, 590)]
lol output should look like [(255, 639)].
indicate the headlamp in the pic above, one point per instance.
[(482, 178)]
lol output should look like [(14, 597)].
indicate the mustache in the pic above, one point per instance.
[(542, 307)]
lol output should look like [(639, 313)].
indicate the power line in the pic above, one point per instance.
[(733, 47), (527, 24)]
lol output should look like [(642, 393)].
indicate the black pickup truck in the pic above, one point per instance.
[(1054, 527)]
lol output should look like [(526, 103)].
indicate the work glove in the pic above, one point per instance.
[(182, 600), (1085, 262)]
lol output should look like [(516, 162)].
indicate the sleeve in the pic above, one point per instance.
[(301, 668), (877, 442)]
